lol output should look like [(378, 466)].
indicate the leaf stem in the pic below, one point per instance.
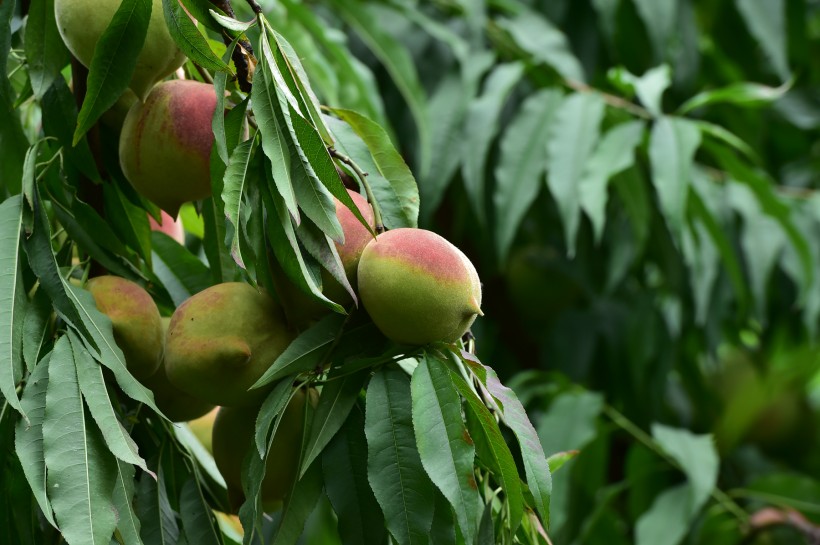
[(377, 214)]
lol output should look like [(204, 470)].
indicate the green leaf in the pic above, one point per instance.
[(659, 17), (339, 395), (218, 120), (112, 66), (532, 454), (572, 139), (742, 94), (197, 517), (767, 23), (481, 127), (344, 462), (398, 63), (537, 36), (324, 251), (521, 164), (306, 351), (724, 136), (299, 504), (13, 142), (159, 523), (390, 165), (186, 268), (81, 472), (696, 456), (60, 121), (129, 221), (230, 23), (613, 154), (668, 520), (446, 448), (269, 118), (270, 414), (559, 459), (236, 178), (128, 525), (36, 328), (189, 40), (94, 390), (12, 299), (492, 449), (650, 87), (394, 468), (46, 54), (671, 152), (28, 437)]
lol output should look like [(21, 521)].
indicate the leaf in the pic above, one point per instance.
[(613, 154), (323, 250), (671, 152), (724, 136), (128, 220), (36, 327), (305, 352), (389, 163), (270, 414), (339, 395), (668, 520), (112, 65), (218, 120), (230, 23), (521, 164), (197, 517), (394, 468), (651, 86), (480, 128), (570, 422), (446, 448), (696, 455), (46, 54), (13, 141), (235, 180), (573, 136), (398, 63), (80, 471), (28, 437), (12, 300), (270, 119), (189, 40), (742, 94), (492, 449), (182, 273), (344, 462), (94, 390), (535, 462), (767, 23), (159, 524), (659, 18), (559, 459), (299, 504), (60, 121), (537, 36), (128, 525)]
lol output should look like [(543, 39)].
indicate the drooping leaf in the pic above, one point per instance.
[(128, 524), (696, 455), (480, 128), (345, 473), (175, 264), (742, 94), (650, 86), (129, 221), (112, 65), (198, 520), (767, 23), (532, 454), (36, 327), (97, 398), (299, 504), (521, 164), (613, 154), (671, 151), (80, 472), (28, 437), (668, 520), (338, 397), (189, 40), (230, 23), (319, 246), (394, 469), (445, 446), (13, 141), (46, 54), (659, 19), (60, 121), (218, 121), (573, 136), (158, 522), (12, 299), (270, 414)]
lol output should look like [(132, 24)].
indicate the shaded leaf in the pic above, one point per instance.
[(767, 23), (659, 19), (537, 36), (197, 518), (12, 298), (128, 524), (235, 180), (742, 94), (189, 40), (46, 54), (159, 523)]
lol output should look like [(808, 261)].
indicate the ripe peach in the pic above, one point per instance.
[(170, 226), (417, 287)]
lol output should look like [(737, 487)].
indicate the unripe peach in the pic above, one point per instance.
[(165, 143), (137, 324), (417, 287), (233, 435), (82, 22), (222, 340)]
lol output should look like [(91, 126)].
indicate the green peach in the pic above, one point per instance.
[(165, 143), (82, 22), (233, 436), (222, 340), (417, 287), (137, 324)]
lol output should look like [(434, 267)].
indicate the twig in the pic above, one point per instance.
[(257, 9), (377, 215), (242, 51)]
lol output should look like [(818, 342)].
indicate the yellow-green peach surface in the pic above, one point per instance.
[(222, 340), (82, 22), (417, 287), (165, 143), (137, 324)]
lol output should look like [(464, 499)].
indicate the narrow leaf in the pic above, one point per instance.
[(189, 40), (12, 299), (742, 94), (159, 523), (197, 517), (46, 54), (767, 23), (536, 35), (128, 525), (235, 184)]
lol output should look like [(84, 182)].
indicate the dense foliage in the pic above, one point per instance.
[(633, 179)]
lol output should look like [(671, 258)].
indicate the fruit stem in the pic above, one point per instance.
[(377, 214)]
